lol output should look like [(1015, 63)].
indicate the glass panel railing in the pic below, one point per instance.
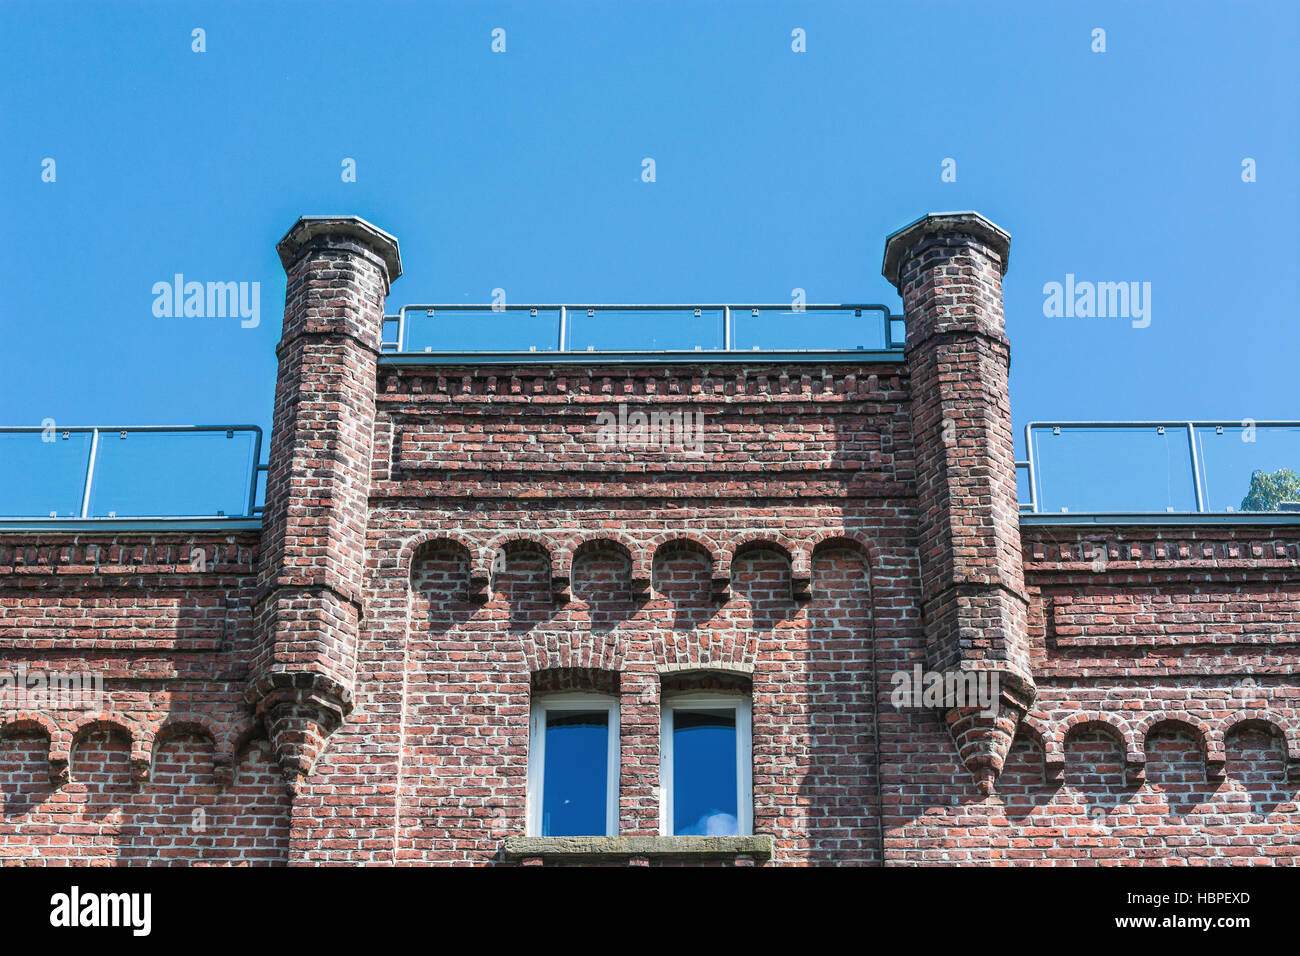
[(815, 328), (43, 472), (166, 473), (1148, 467), (1113, 468), (645, 330), (134, 472), (641, 328), (1248, 467), (481, 329)]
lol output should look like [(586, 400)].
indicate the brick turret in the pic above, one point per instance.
[(310, 579), (948, 268)]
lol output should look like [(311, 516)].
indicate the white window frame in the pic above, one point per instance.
[(692, 700), (542, 705)]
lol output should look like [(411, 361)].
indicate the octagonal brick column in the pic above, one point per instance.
[(310, 574), (948, 268)]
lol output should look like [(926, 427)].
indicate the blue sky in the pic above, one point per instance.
[(775, 170)]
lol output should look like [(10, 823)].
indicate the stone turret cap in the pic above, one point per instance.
[(310, 227), (938, 223)]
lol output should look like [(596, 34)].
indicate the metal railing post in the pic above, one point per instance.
[(564, 328), (1026, 465), (1196, 467), (90, 472), (1033, 468), (255, 471), (726, 329)]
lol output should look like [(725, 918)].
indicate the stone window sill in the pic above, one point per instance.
[(561, 849)]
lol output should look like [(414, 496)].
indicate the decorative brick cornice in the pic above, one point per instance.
[(943, 227), (340, 232)]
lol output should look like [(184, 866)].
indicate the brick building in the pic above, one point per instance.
[(454, 563)]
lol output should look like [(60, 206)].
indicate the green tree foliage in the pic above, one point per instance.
[(1267, 490)]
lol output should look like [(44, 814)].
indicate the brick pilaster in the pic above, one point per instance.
[(948, 268), (310, 576)]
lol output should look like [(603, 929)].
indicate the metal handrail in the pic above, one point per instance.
[(252, 508), (563, 310), (1031, 462)]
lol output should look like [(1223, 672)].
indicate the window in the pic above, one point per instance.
[(705, 766), (573, 766)]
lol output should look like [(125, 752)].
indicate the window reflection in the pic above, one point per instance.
[(704, 773), (574, 785)]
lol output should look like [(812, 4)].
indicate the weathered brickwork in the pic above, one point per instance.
[(165, 621), (445, 543), (949, 272)]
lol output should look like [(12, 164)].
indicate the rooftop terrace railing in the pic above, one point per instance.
[(172, 474), (642, 330), (1148, 468), (59, 474)]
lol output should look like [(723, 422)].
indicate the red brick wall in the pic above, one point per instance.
[(636, 572), (1163, 748), (1171, 745), (442, 542), (164, 620)]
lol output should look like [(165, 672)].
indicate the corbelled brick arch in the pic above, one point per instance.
[(814, 545), (58, 740), (86, 726), (1286, 729), (431, 540), (186, 723), (555, 566), (669, 542), (1112, 726), (751, 542), (638, 558), (476, 559), (1206, 736)]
